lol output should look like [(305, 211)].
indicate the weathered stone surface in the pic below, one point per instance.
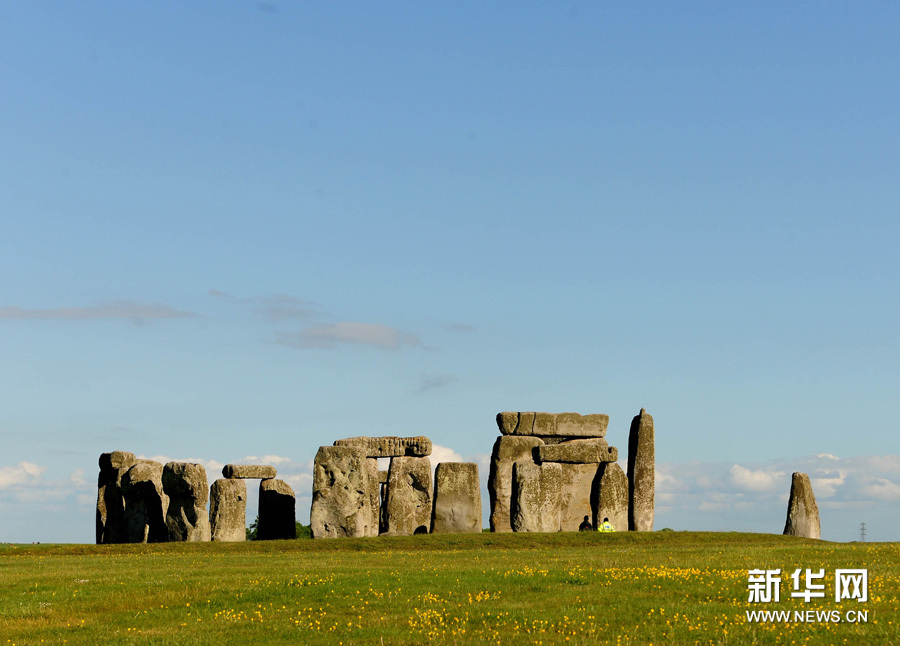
[(408, 495), (802, 512), (228, 510), (641, 473), (374, 489), (116, 460), (249, 471), (382, 476), (578, 494), (457, 498), (536, 496), (508, 449), (551, 425), (341, 505), (186, 486), (277, 511), (145, 503), (613, 497), (578, 452), (110, 523), (389, 446)]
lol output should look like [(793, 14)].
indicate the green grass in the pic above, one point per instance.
[(588, 588)]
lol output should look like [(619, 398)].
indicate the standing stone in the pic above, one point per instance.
[(110, 502), (577, 494), (641, 473), (186, 486), (536, 496), (145, 503), (613, 497), (374, 489), (508, 449), (277, 511), (457, 498), (228, 510), (802, 512), (409, 496), (341, 502)]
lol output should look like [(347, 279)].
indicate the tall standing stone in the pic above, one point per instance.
[(374, 489), (457, 498), (110, 501), (641, 473), (577, 494), (409, 496), (341, 502), (508, 449), (613, 497), (228, 510), (802, 512), (186, 486), (536, 496), (277, 511), (145, 503)]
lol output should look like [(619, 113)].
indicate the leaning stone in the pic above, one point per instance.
[(228, 510), (382, 476), (374, 489), (551, 425), (341, 505), (145, 503), (390, 446), (457, 498), (249, 471), (408, 496), (641, 473), (508, 449), (110, 516), (186, 516), (578, 494), (802, 513), (613, 497), (277, 511), (578, 452), (536, 497)]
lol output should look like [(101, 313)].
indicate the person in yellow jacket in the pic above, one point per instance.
[(606, 526)]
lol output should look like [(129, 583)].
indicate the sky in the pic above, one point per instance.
[(234, 232)]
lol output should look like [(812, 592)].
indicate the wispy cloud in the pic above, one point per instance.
[(129, 310), (335, 334), (434, 381), (281, 307)]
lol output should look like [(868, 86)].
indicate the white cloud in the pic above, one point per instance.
[(274, 459), (23, 473), (331, 335), (443, 454), (758, 480), (882, 489), (108, 310), (77, 478)]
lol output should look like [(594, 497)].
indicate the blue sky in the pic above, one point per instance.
[(248, 229)]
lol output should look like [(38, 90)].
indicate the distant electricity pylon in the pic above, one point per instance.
[(862, 532)]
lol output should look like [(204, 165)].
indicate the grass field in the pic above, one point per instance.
[(590, 588)]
